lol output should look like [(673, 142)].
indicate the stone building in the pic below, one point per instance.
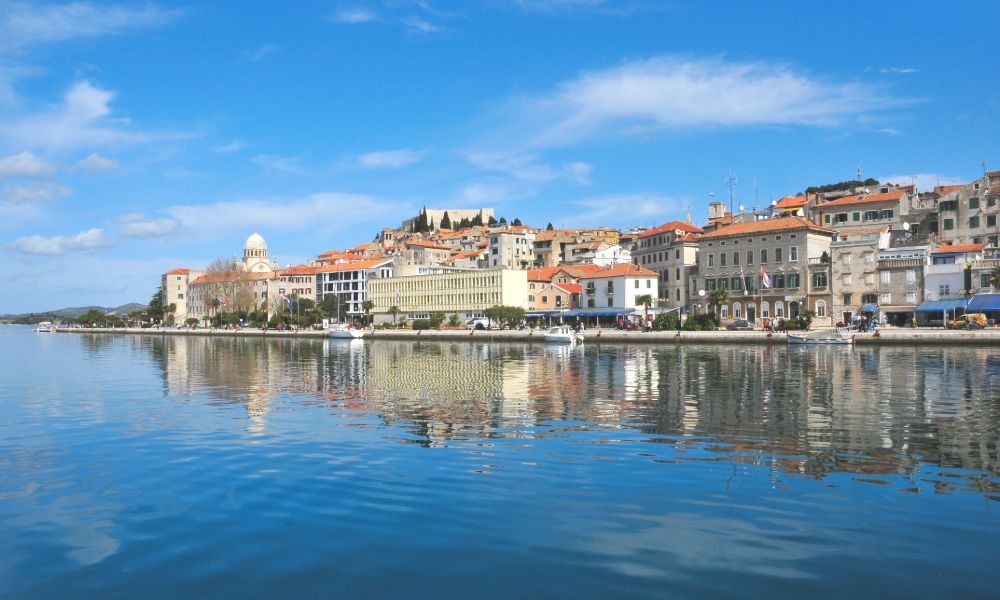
[(671, 251)]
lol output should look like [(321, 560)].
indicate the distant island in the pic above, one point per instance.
[(71, 313)]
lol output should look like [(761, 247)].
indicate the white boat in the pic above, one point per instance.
[(45, 327), (825, 337), (346, 332), (563, 334)]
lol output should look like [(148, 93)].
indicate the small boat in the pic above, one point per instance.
[(563, 334), (825, 337), (45, 327), (346, 332)]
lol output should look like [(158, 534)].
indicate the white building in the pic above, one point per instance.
[(612, 291), (350, 281), (511, 248)]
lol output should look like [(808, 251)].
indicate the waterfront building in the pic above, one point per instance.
[(174, 287), (949, 273), (465, 293), (671, 251), (792, 251), (612, 291), (295, 283), (900, 287), (854, 270), (969, 214), (351, 281)]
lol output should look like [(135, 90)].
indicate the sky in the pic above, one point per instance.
[(139, 137)]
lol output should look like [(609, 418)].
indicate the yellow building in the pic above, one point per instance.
[(465, 293)]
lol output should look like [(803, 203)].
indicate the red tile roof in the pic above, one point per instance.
[(861, 199), (956, 248), (427, 244), (573, 288), (543, 273), (765, 226), (357, 265), (620, 270), (942, 190), (672, 226), (791, 202), (178, 272), (299, 270)]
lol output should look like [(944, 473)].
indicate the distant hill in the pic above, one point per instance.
[(77, 311)]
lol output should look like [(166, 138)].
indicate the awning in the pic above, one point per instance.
[(599, 313), (981, 302), (869, 308), (939, 306), (545, 313)]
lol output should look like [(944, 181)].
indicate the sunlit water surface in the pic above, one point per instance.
[(146, 466)]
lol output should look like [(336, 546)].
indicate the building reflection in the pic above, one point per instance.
[(811, 411)]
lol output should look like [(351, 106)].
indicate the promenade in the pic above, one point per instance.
[(884, 336)]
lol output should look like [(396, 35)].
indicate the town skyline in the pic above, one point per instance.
[(137, 138)]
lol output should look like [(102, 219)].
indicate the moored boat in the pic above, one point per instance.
[(563, 334), (824, 337), (346, 332), (45, 327)]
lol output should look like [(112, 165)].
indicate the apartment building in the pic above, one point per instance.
[(511, 248), (671, 251), (969, 214), (465, 293), (350, 281), (615, 289), (901, 279)]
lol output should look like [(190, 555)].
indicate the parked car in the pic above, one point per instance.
[(969, 321), (739, 325), (480, 323)]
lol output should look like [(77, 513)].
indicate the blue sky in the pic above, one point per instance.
[(135, 138)]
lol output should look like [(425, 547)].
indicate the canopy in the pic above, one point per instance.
[(869, 308), (938, 306), (981, 302), (545, 313), (621, 312)]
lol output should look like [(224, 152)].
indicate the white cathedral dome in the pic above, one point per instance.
[(255, 242)]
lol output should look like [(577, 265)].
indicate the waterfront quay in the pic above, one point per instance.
[(885, 336)]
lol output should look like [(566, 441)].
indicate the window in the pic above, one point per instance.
[(180, 296), (869, 298), (944, 289), (819, 279), (885, 277), (749, 257), (886, 213), (949, 224), (723, 283), (678, 294), (611, 301), (737, 283), (911, 276), (636, 284), (777, 255), (792, 280), (778, 281), (869, 258), (677, 273), (763, 256), (711, 260), (545, 299), (869, 279), (677, 254), (649, 283), (885, 298), (820, 308), (991, 220), (793, 254), (856, 216), (531, 298), (845, 259), (974, 222), (826, 219), (841, 217), (973, 202), (943, 260), (736, 256), (848, 299), (709, 284), (911, 297), (847, 280)]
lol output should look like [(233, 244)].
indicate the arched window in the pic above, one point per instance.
[(737, 310), (779, 309), (820, 308), (765, 309)]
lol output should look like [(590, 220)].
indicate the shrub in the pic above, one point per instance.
[(421, 324)]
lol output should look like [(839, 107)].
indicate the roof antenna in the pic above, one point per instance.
[(688, 218), (731, 184)]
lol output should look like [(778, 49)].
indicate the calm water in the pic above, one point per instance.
[(146, 467)]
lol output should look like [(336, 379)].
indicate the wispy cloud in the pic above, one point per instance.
[(264, 51), (83, 119), (24, 24), (390, 159), (95, 163), (671, 93), (353, 16), (624, 209), (520, 166), (25, 164), (578, 172), (421, 25), (91, 239), (33, 194), (233, 146), (282, 164), (140, 226), (894, 70)]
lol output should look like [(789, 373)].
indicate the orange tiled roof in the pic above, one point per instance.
[(299, 270), (231, 276), (178, 272), (543, 273), (765, 226), (354, 266), (791, 202), (573, 288), (942, 190), (672, 226), (861, 199), (620, 270), (955, 248), (992, 174), (427, 244)]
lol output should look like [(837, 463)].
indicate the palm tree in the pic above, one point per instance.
[(995, 278), (394, 310), (716, 299), (367, 306), (646, 301)]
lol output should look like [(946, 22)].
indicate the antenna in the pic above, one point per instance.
[(755, 197), (983, 165), (859, 173), (731, 184)]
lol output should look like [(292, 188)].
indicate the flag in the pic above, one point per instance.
[(223, 301), (765, 281)]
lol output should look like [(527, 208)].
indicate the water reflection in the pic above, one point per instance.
[(869, 411)]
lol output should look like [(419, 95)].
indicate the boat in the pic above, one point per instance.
[(45, 327), (823, 336), (563, 334), (346, 332)]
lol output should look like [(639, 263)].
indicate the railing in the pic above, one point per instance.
[(819, 261)]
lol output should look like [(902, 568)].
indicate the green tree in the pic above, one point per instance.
[(367, 306), (666, 322), (492, 222), (806, 317), (645, 300), (454, 320), (717, 298), (516, 222), (394, 311), (436, 320), (995, 278), (549, 227), (155, 308), (502, 222), (445, 221)]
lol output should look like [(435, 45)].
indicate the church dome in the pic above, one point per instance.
[(255, 242)]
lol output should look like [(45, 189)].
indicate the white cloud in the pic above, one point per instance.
[(91, 239), (83, 119), (925, 181), (578, 172), (670, 93), (390, 159), (25, 164), (353, 16), (141, 226), (419, 25), (264, 51), (95, 163), (623, 209), (233, 146), (24, 24), (283, 164), (324, 211), (520, 166), (32, 194), (899, 70)]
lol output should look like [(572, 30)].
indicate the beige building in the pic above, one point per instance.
[(671, 251), (511, 248), (175, 286), (792, 252), (465, 293), (969, 214)]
